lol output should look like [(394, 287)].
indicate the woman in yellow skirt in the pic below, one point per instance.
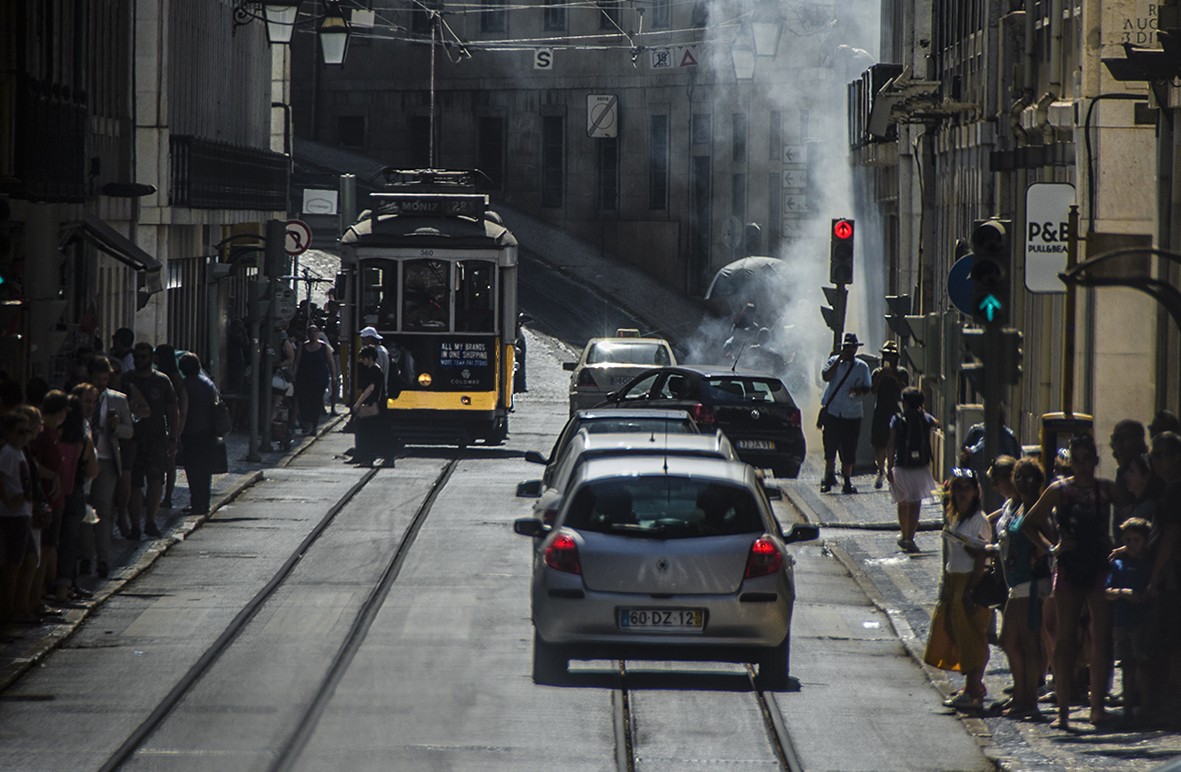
[(958, 640)]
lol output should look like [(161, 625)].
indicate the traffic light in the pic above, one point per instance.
[(1013, 353), (926, 350), (276, 262), (897, 307), (990, 272), (973, 343), (840, 252), (834, 312)]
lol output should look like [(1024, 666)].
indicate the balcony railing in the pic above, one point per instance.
[(214, 175)]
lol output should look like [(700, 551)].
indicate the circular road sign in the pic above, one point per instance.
[(299, 237), (959, 284)]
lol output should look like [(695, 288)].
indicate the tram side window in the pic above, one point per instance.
[(379, 295), (426, 300), (475, 299)]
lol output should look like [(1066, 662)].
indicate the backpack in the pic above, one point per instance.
[(912, 444)]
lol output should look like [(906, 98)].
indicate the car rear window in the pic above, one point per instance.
[(748, 390), (664, 507), (638, 353), (658, 425)]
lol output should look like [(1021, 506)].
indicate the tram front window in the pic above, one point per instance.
[(426, 299), (379, 294), (475, 300)]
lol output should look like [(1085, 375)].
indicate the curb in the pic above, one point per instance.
[(902, 629), (54, 637)]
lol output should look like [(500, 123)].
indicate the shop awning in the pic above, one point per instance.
[(110, 241)]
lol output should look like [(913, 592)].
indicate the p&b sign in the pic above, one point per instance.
[(1047, 232)]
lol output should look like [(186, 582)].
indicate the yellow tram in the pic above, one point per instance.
[(434, 271)]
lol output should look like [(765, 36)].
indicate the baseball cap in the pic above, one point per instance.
[(370, 332)]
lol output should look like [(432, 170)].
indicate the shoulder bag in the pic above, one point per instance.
[(991, 591), (824, 407), (223, 421)]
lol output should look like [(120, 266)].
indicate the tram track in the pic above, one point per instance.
[(287, 753), (625, 720)]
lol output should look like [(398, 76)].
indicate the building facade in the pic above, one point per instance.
[(134, 136)]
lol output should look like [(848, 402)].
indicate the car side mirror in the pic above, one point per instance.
[(773, 492), (530, 489), (612, 396), (533, 457), (569, 366), (801, 532), (530, 526)]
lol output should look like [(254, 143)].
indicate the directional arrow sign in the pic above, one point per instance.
[(990, 305)]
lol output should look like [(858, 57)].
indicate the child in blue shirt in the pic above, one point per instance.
[(1126, 583)]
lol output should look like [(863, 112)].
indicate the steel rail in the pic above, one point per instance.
[(297, 739), (197, 671)]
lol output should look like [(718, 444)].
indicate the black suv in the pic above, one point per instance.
[(754, 409)]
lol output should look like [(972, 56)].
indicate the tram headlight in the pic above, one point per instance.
[(424, 379)]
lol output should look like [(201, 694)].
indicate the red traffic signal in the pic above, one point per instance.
[(842, 229), (840, 252)]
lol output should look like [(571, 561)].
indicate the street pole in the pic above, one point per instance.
[(1068, 338), (993, 387), (841, 304), (255, 365)]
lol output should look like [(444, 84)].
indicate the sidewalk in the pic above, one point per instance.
[(129, 559), (861, 531)]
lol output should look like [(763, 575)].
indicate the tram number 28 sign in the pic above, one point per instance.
[(1047, 231)]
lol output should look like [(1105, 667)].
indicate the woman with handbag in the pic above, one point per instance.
[(368, 407), (958, 640)]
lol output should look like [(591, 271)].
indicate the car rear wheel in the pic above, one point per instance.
[(549, 663), (773, 668)]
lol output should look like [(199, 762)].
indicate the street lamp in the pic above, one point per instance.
[(281, 17), (744, 62), (766, 36)]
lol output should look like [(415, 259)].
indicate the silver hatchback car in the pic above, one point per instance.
[(666, 559)]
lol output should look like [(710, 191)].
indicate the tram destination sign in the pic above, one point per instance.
[(434, 205)]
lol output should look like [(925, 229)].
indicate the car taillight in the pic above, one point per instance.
[(765, 558), (585, 378), (702, 414), (793, 417), (562, 555)]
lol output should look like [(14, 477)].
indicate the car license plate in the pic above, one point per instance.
[(755, 445), (643, 619)]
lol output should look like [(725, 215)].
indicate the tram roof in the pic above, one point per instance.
[(395, 230)]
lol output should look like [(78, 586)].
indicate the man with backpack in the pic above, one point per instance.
[(909, 463)]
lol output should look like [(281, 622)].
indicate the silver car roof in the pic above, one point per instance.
[(606, 467), (655, 442), (593, 413)]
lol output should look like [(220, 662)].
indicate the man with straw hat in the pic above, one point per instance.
[(848, 378)]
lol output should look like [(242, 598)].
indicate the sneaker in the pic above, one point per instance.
[(878, 482), (848, 488), (826, 485)]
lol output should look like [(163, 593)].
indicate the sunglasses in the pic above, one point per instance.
[(963, 473)]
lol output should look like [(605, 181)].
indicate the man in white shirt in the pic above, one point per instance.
[(110, 423), (848, 378)]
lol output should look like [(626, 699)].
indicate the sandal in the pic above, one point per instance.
[(967, 702)]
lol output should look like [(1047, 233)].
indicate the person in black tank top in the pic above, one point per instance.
[(1081, 506)]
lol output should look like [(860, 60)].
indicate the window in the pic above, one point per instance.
[(738, 142), (350, 130), (658, 154), (661, 15), (609, 15), (666, 506), (555, 15), (494, 17), (607, 163), (738, 196), (700, 130), (426, 297), (475, 296), (553, 158), (491, 150), (379, 294)]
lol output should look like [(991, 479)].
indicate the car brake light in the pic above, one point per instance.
[(585, 378), (702, 414), (562, 555), (765, 558), (793, 418)]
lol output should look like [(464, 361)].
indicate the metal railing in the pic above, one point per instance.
[(215, 175)]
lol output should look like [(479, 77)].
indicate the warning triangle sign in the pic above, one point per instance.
[(687, 59)]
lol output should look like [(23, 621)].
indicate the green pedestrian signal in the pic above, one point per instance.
[(992, 256)]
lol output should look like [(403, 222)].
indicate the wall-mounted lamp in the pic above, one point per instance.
[(744, 62), (766, 36), (281, 17)]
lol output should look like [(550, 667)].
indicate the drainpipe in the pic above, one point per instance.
[(1056, 48)]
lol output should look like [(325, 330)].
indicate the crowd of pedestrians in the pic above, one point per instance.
[(93, 459), (1091, 567)]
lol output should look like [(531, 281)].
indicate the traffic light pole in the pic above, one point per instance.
[(994, 386), (840, 304), (1068, 313)]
